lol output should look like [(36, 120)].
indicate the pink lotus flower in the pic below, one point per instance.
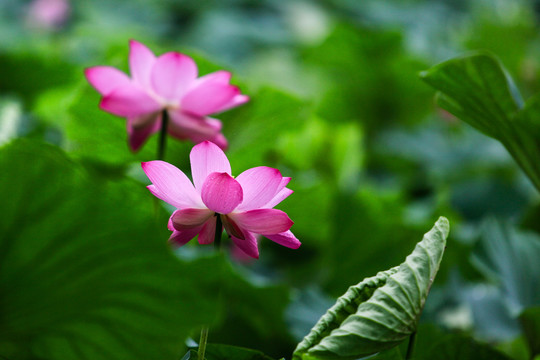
[(166, 83), (48, 14), (245, 204)]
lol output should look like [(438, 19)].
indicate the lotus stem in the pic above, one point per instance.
[(162, 142), (217, 236), (410, 347), (202, 343)]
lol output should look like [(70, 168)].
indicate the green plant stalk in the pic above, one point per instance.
[(162, 142), (202, 343), (410, 347), (217, 246), (217, 236)]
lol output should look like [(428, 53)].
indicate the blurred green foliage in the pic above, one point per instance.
[(336, 104)]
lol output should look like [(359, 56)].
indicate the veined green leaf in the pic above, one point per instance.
[(478, 90), (85, 271), (380, 311)]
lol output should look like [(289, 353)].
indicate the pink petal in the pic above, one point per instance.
[(284, 182), (263, 221), (129, 101), (180, 238), (208, 231), (220, 141), (172, 74), (208, 98), (221, 193), (207, 158), (171, 185), (138, 134), (249, 245), (141, 60), (105, 78), (185, 126), (259, 185), (217, 77), (231, 227), (144, 120), (235, 101), (239, 255), (286, 239), (189, 218), (279, 197)]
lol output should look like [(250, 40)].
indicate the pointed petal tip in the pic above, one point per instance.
[(180, 238), (172, 185), (206, 158), (135, 43), (146, 164), (87, 71), (249, 245), (205, 145), (286, 239), (172, 74), (260, 185)]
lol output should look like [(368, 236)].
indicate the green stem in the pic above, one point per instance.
[(202, 343), (217, 245), (410, 347), (219, 230), (162, 143)]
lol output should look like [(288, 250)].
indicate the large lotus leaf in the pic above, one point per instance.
[(477, 89), (85, 271), (381, 311)]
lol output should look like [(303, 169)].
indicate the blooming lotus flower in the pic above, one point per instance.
[(245, 204), (165, 83), (48, 14)]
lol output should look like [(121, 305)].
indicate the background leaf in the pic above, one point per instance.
[(510, 258), (478, 90), (85, 273), (459, 347), (530, 322)]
